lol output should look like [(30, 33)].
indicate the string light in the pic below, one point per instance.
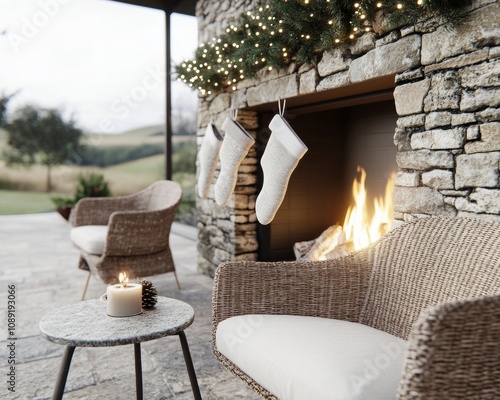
[(221, 62)]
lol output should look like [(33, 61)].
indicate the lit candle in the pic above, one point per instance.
[(124, 299)]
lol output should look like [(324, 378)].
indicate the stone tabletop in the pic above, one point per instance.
[(87, 324)]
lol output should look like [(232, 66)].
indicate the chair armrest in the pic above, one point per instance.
[(331, 289), (454, 352), (98, 210)]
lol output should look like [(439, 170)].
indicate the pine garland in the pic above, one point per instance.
[(276, 33)]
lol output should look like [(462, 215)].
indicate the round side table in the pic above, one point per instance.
[(87, 324)]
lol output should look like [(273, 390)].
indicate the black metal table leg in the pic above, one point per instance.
[(63, 373), (189, 366), (138, 371)]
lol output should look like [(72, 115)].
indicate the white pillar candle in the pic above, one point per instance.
[(124, 301)]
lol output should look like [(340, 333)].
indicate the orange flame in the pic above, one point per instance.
[(357, 225)]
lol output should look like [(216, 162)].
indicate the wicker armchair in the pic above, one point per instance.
[(434, 282), (127, 233)]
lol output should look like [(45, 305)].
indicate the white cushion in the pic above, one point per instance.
[(90, 238), (299, 358)]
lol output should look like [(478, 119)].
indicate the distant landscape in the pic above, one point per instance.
[(129, 161)]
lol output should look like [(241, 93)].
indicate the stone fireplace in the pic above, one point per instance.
[(422, 101)]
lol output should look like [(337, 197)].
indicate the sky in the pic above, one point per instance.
[(100, 62)]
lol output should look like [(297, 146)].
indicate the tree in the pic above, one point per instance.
[(4, 100), (37, 135)]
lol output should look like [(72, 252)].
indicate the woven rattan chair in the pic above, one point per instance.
[(126, 233), (434, 282)]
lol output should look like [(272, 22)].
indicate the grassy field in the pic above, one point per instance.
[(15, 202), (26, 186)]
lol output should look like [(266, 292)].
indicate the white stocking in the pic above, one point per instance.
[(235, 147), (208, 155), (282, 154)]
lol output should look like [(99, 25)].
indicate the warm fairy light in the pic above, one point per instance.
[(265, 31)]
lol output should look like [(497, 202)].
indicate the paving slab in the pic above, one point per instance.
[(37, 257)]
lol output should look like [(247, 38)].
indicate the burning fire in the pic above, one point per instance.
[(358, 227)]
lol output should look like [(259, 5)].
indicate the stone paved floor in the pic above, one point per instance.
[(37, 257)]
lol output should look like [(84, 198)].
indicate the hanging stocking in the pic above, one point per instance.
[(235, 147), (208, 156), (281, 156)]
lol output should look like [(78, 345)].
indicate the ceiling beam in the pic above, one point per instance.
[(169, 6)]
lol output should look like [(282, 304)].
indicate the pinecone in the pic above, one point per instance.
[(149, 294)]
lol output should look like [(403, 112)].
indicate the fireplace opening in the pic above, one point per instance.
[(320, 189)]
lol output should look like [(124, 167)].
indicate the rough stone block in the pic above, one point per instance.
[(477, 170), (332, 61), (494, 52), (241, 201), (402, 139), (239, 99), (472, 133), (220, 103), (438, 179), (308, 81), (462, 119), (418, 200), (273, 90), (444, 92), (411, 121), (363, 44), (407, 179), (455, 193), (481, 27), (484, 217), (390, 38), (490, 139), (480, 98), (487, 199), (409, 98), (489, 114), (220, 256), (247, 243), (387, 60), (437, 119), (482, 75), (422, 160), (246, 179), (334, 81), (438, 139), (460, 61), (410, 75), (245, 257), (450, 200)]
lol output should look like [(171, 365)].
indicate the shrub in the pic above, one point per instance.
[(91, 185)]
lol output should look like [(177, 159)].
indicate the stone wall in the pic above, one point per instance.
[(447, 98)]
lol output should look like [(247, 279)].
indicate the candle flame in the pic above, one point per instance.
[(123, 278)]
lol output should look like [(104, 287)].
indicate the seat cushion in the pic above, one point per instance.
[(297, 358), (90, 238)]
